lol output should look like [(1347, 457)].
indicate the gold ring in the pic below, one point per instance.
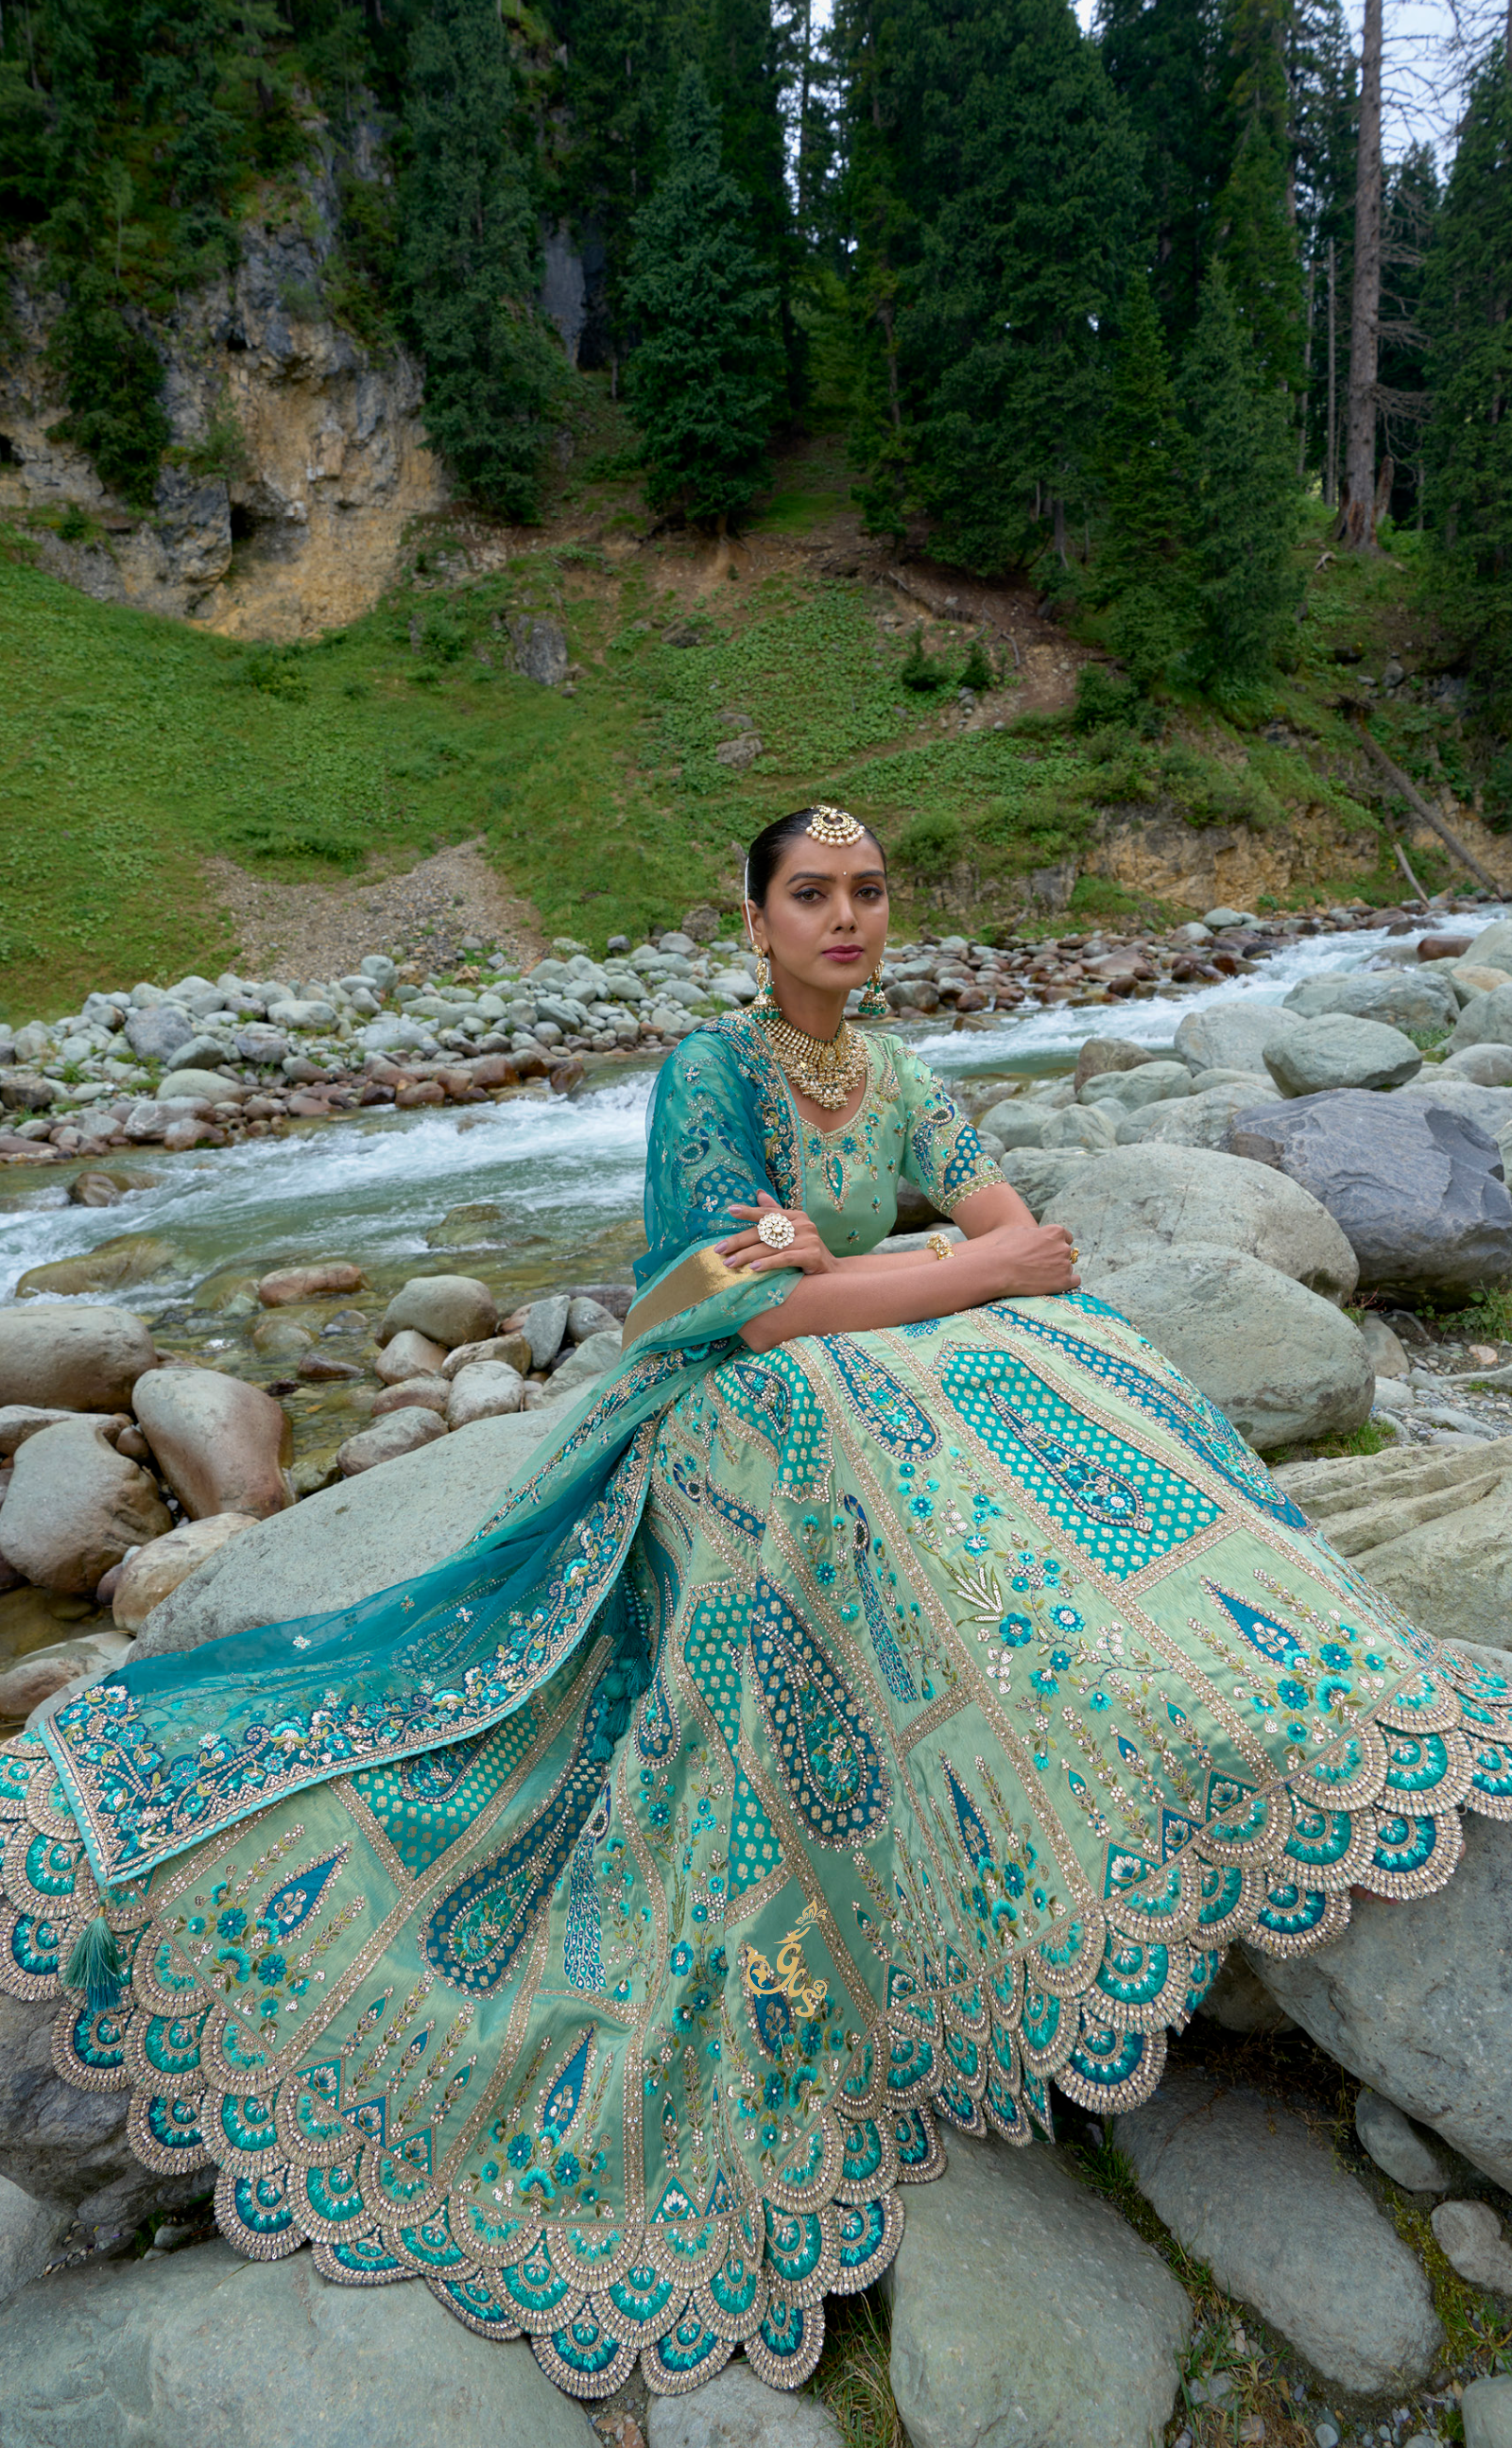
[(1075, 1253), (776, 1230)]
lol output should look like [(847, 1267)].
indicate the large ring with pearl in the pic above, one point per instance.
[(776, 1230)]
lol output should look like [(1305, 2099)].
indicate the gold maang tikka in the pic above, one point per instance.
[(835, 827)]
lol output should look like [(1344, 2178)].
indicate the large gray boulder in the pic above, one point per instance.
[(1040, 1174), (78, 1358), (28, 2230), (1401, 998), (365, 1535), (1179, 1196), (1486, 1020), (1025, 2314), (1413, 1187), (1416, 1999), (1249, 2187), (223, 1446), (60, 2144), (1282, 1364), (156, 1036), (1145, 1083), (1231, 1036), (1202, 1119), (73, 1508), (1487, 2411), (450, 1309), (1430, 1528), (1338, 1052), (204, 2347), (737, 2410)]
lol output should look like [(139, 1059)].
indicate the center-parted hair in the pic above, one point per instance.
[(762, 858)]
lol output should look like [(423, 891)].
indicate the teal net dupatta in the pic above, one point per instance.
[(173, 1749)]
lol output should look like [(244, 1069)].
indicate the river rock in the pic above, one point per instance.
[(737, 2410), (212, 1084), (74, 1506), (1416, 1999), (1231, 1036), (1202, 1119), (202, 2347), (323, 1282), (450, 1309), (257, 1042), (223, 1446), (1249, 2189), (280, 1337), (512, 1349), (469, 1227), (486, 1390), (544, 1325), (1486, 1020), (1181, 1196), (159, 1568), (302, 1011), (587, 1316), (1238, 2002), (1147, 1086), (1337, 1052), (1088, 1126), (156, 1036), (588, 1363), (1282, 1364), (410, 1355), (113, 1266), (1097, 1055), (1014, 1122), (28, 2230), (1485, 1066), (402, 1431), (431, 1393), (77, 1358), (19, 1420), (69, 2146), (1431, 1529), (1025, 2314), (1400, 998), (1040, 1176), (1469, 2236), (1396, 2146), (1485, 2410), (28, 1681), (1410, 1184), (361, 1536)]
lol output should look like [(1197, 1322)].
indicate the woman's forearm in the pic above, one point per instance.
[(847, 1301)]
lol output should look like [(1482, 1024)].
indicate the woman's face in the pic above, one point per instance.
[(826, 916)]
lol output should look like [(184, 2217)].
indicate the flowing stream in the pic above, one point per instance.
[(564, 1174)]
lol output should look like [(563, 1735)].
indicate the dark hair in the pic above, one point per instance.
[(762, 858)]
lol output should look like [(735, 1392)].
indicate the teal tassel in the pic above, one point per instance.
[(95, 1967)]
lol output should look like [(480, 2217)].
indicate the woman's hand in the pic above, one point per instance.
[(805, 1251), (1026, 1258)]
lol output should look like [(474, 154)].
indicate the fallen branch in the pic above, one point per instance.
[(1429, 815), (1402, 862)]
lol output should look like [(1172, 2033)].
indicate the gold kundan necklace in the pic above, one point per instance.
[(827, 1070)]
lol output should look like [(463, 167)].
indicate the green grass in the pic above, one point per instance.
[(132, 748)]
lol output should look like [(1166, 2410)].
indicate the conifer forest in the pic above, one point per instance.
[(1111, 306)]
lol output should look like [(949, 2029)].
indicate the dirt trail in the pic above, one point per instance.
[(318, 930)]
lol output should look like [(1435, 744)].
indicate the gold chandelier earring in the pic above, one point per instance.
[(765, 999), (873, 1003)]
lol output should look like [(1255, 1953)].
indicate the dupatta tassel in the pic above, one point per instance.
[(95, 1967)]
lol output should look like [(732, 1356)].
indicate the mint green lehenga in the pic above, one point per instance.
[(821, 1745)]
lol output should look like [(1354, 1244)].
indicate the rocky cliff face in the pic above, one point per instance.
[(303, 528)]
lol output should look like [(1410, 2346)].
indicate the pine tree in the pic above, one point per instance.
[(1244, 503), (706, 380), (1142, 565), (1169, 61), (1030, 168), (619, 79), (1467, 308), (468, 258)]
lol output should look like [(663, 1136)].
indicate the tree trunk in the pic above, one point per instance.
[(1364, 314), (1331, 473), (1307, 370)]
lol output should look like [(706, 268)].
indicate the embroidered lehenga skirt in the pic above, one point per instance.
[(994, 1691)]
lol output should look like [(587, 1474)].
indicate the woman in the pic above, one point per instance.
[(898, 1688)]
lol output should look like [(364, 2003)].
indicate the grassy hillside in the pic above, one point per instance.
[(131, 747)]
